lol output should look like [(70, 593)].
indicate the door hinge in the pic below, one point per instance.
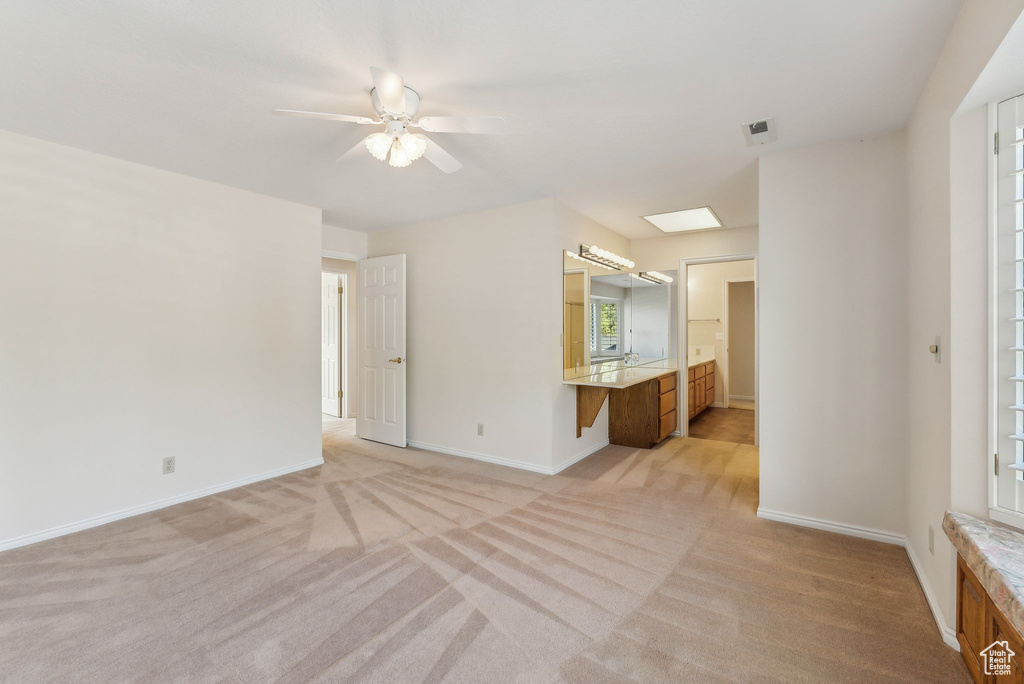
[(341, 290), (996, 473), (995, 145), (341, 394)]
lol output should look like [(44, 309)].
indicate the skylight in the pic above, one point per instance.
[(700, 218)]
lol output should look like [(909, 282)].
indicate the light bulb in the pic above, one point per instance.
[(378, 144), (399, 158), (414, 144)]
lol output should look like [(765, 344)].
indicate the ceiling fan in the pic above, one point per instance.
[(397, 105)]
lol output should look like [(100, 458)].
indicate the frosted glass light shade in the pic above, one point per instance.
[(399, 157), (414, 144), (378, 144)]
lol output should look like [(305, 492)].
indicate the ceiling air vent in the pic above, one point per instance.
[(759, 132)]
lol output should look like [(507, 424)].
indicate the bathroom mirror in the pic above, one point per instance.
[(613, 319)]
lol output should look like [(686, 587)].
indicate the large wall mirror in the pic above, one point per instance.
[(614, 319)]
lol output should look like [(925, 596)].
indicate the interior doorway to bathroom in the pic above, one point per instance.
[(719, 328)]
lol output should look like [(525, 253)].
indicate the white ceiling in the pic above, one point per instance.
[(619, 109)]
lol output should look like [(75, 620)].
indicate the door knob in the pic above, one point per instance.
[(398, 360)]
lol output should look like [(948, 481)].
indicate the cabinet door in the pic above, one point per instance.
[(999, 630), (970, 618), (691, 400)]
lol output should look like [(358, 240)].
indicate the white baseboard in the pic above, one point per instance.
[(497, 460), (98, 520), (482, 457), (945, 631), (740, 397), (829, 526), (717, 404), (578, 457)]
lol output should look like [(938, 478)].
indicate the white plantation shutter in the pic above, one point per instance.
[(1009, 248), (605, 327)]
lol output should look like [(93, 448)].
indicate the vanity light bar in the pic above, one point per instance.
[(577, 257), (603, 256), (655, 277)]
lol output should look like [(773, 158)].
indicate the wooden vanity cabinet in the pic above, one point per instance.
[(701, 390), (643, 415), (980, 623)]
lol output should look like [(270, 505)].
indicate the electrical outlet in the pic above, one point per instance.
[(931, 539), (168, 465), (480, 429)]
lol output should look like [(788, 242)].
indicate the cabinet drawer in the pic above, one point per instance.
[(668, 424), (666, 383), (667, 402), (689, 375), (699, 371)]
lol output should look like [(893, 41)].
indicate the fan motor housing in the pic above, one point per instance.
[(412, 102)]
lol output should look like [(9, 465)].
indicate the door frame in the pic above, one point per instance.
[(343, 346), (348, 394), (342, 360), (682, 332), (725, 335)]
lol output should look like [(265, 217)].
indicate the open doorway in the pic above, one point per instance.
[(718, 328), (337, 328)]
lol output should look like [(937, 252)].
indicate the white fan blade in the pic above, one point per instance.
[(355, 151), (488, 125), (441, 159), (347, 118), (390, 90)]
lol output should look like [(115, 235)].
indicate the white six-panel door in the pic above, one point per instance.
[(382, 361), (330, 356)]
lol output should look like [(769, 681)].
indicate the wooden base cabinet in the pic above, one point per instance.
[(979, 623), (701, 391), (643, 415)]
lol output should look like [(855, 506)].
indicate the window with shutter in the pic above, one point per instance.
[(605, 328), (1009, 304)]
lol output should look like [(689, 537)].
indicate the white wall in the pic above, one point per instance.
[(936, 419), (663, 253), (832, 309), (741, 351), (348, 381), (484, 318), (146, 314), (342, 243), (705, 284)]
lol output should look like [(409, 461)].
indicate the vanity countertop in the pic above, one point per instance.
[(609, 366), (621, 378), (995, 554), (699, 359)]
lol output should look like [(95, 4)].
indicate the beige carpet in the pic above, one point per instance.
[(401, 565)]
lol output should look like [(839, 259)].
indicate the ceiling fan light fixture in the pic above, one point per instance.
[(414, 144), (399, 157), (378, 144)]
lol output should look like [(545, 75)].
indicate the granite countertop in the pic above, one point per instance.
[(622, 378), (996, 555)]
